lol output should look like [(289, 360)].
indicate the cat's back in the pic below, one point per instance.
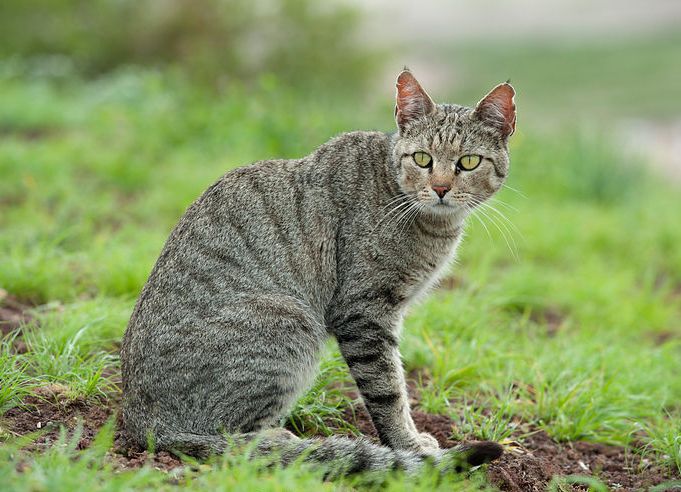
[(267, 227), (315, 177)]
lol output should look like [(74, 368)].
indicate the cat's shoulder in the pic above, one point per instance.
[(359, 138), (336, 149)]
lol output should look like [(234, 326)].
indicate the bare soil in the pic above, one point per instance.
[(528, 465), (531, 465), (51, 409), (13, 313)]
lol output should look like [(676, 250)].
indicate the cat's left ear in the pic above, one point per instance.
[(497, 109), (412, 101)]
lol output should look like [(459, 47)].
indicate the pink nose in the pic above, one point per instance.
[(441, 190)]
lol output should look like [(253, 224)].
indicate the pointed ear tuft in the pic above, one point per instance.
[(497, 109), (412, 101)]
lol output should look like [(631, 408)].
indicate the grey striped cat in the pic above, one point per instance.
[(276, 257)]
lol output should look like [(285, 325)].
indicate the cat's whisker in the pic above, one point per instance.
[(393, 203), (481, 202), (414, 212), (393, 213), (400, 197), (514, 190), (404, 216), (492, 220), (470, 212), (508, 206), (386, 210), (404, 219), (399, 215), (504, 219)]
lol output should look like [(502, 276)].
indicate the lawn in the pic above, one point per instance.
[(560, 321)]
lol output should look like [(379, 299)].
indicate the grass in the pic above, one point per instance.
[(58, 470), (565, 314), (321, 409)]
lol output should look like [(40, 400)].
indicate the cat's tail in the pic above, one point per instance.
[(339, 455)]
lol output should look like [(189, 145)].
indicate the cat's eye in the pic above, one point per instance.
[(469, 162), (422, 159)]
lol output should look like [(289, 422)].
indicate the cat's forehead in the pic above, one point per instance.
[(451, 129)]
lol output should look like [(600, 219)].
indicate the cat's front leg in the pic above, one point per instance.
[(372, 354)]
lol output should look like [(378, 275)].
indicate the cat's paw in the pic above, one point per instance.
[(426, 442)]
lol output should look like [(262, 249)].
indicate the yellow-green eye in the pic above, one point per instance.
[(469, 162), (422, 159)]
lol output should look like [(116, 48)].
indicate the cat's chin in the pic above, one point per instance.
[(441, 210)]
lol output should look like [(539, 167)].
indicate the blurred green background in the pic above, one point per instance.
[(116, 114)]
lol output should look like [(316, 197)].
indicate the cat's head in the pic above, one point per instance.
[(451, 158)]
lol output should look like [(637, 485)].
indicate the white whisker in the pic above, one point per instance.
[(394, 212), (504, 219), (470, 211), (508, 206), (405, 219), (501, 227), (515, 190)]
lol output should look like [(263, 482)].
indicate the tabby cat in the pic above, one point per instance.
[(276, 257)]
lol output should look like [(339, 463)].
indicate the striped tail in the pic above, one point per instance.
[(338, 455)]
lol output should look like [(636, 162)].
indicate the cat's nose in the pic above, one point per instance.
[(441, 190)]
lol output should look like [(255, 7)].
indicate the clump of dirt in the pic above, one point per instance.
[(129, 459), (52, 408)]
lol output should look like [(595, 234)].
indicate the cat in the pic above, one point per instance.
[(276, 257)]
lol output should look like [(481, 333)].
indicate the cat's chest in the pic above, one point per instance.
[(416, 258), (430, 255)]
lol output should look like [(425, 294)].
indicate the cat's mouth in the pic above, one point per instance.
[(446, 208)]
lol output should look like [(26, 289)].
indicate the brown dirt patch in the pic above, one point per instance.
[(13, 313), (29, 134), (528, 465), (531, 466), (551, 318), (666, 336), (51, 409)]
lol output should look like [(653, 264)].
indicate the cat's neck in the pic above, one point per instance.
[(445, 225)]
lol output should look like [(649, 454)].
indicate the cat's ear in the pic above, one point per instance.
[(497, 109), (412, 101)]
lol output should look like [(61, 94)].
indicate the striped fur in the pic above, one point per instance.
[(276, 257)]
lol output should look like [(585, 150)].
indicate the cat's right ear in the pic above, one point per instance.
[(412, 101)]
